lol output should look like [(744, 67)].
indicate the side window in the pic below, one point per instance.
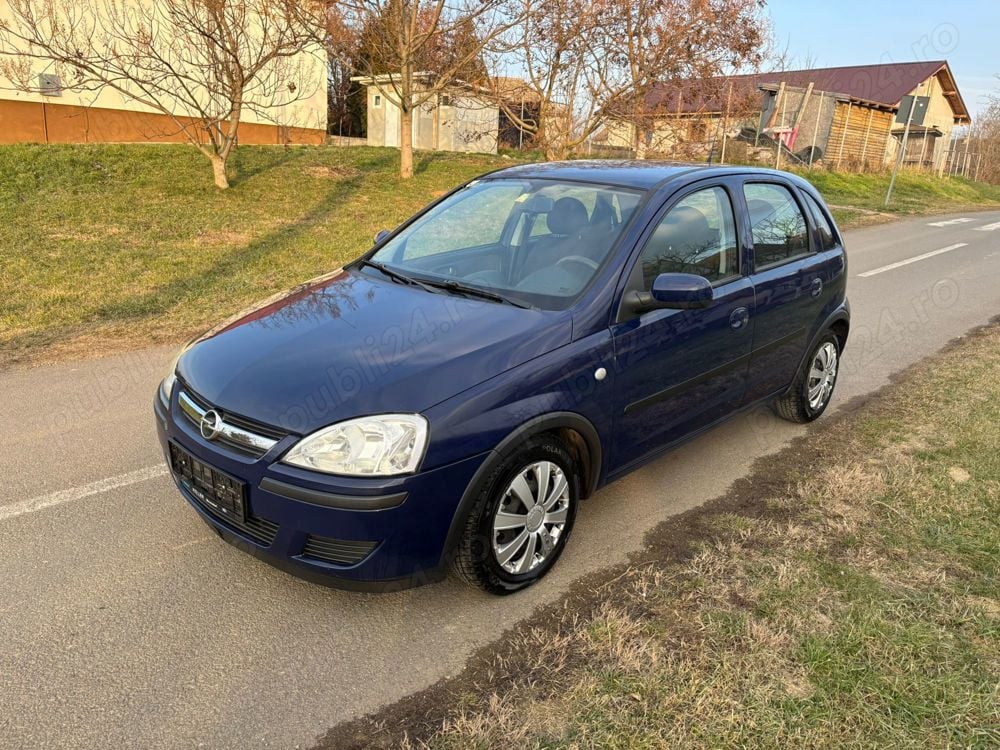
[(779, 228), (697, 236), (827, 238)]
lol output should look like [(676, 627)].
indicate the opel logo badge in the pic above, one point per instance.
[(210, 425)]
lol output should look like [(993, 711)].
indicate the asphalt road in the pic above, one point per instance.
[(125, 623)]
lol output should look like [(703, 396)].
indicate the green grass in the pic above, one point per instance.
[(113, 247), (855, 196), (116, 246), (855, 604)]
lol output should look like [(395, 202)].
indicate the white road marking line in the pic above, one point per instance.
[(949, 222), (42, 502), (908, 261), (988, 227)]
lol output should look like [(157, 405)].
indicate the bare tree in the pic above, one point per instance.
[(402, 39), (201, 63), (343, 96), (656, 42), (589, 62), (985, 142), (551, 47)]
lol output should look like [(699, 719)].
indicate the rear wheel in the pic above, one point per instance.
[(522, 518), (812, 390)]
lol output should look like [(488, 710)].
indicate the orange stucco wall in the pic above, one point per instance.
[(41, 122)]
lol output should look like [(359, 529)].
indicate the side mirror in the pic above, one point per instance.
[(674, 291), (381, 236)]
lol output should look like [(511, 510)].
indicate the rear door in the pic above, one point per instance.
[(680, 370), (788, 281)]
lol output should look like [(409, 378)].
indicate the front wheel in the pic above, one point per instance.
[(810, 394), (522, 518)]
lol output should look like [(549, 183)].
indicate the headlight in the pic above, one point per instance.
[(382, 445), (167, 385)]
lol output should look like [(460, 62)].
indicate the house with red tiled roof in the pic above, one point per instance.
[(844, 115)]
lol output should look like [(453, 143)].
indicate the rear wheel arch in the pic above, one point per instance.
[(839, 323), (841, 328)]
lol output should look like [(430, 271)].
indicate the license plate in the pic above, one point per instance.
[(218, 492)]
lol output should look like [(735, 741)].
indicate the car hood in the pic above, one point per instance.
[(350, 344)]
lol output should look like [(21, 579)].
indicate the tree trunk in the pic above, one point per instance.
[(405, 143), (219, 171), (638, 142)]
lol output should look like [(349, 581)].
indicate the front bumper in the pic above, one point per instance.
[(386, 533)]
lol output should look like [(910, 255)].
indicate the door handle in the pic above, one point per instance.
[(817, 287), (739, 318)]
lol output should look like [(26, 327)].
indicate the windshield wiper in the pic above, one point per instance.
[(472, 291), (396, 275), (449, 286)]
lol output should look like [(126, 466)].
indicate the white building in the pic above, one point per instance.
[(461, 118)]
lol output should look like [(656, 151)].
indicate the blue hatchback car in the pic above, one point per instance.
[(448, 399)]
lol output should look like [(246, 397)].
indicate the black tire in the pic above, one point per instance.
[(794, 405), (474, 559)]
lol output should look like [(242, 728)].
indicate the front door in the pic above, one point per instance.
[(681, 370)]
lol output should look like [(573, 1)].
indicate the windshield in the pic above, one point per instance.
[(536, 242)]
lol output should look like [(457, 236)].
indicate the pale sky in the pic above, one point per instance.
[(867, 32)]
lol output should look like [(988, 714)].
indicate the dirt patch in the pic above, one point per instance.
[(330, 173), (958, 474)]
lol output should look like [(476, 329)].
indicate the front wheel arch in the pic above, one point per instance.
[(574, 430)]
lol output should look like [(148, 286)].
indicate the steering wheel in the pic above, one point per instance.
[(592, 264)]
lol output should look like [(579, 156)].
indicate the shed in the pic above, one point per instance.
[(460, 118)]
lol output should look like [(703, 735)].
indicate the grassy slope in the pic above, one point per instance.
[(110, 247), (856, 196), (107, 246), (847, 596)]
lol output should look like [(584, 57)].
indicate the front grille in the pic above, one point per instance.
[(263, 434), (236, 421), (259, 529), (336, 551)]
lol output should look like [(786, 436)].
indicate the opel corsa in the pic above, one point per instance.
[(448, 399)]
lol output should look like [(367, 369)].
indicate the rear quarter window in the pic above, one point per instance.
[(827, 237)]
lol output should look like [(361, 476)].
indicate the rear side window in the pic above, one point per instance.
[(697, 236), (827, 239), (779, 228)]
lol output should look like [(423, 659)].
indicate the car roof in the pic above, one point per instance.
[(636, 174)]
